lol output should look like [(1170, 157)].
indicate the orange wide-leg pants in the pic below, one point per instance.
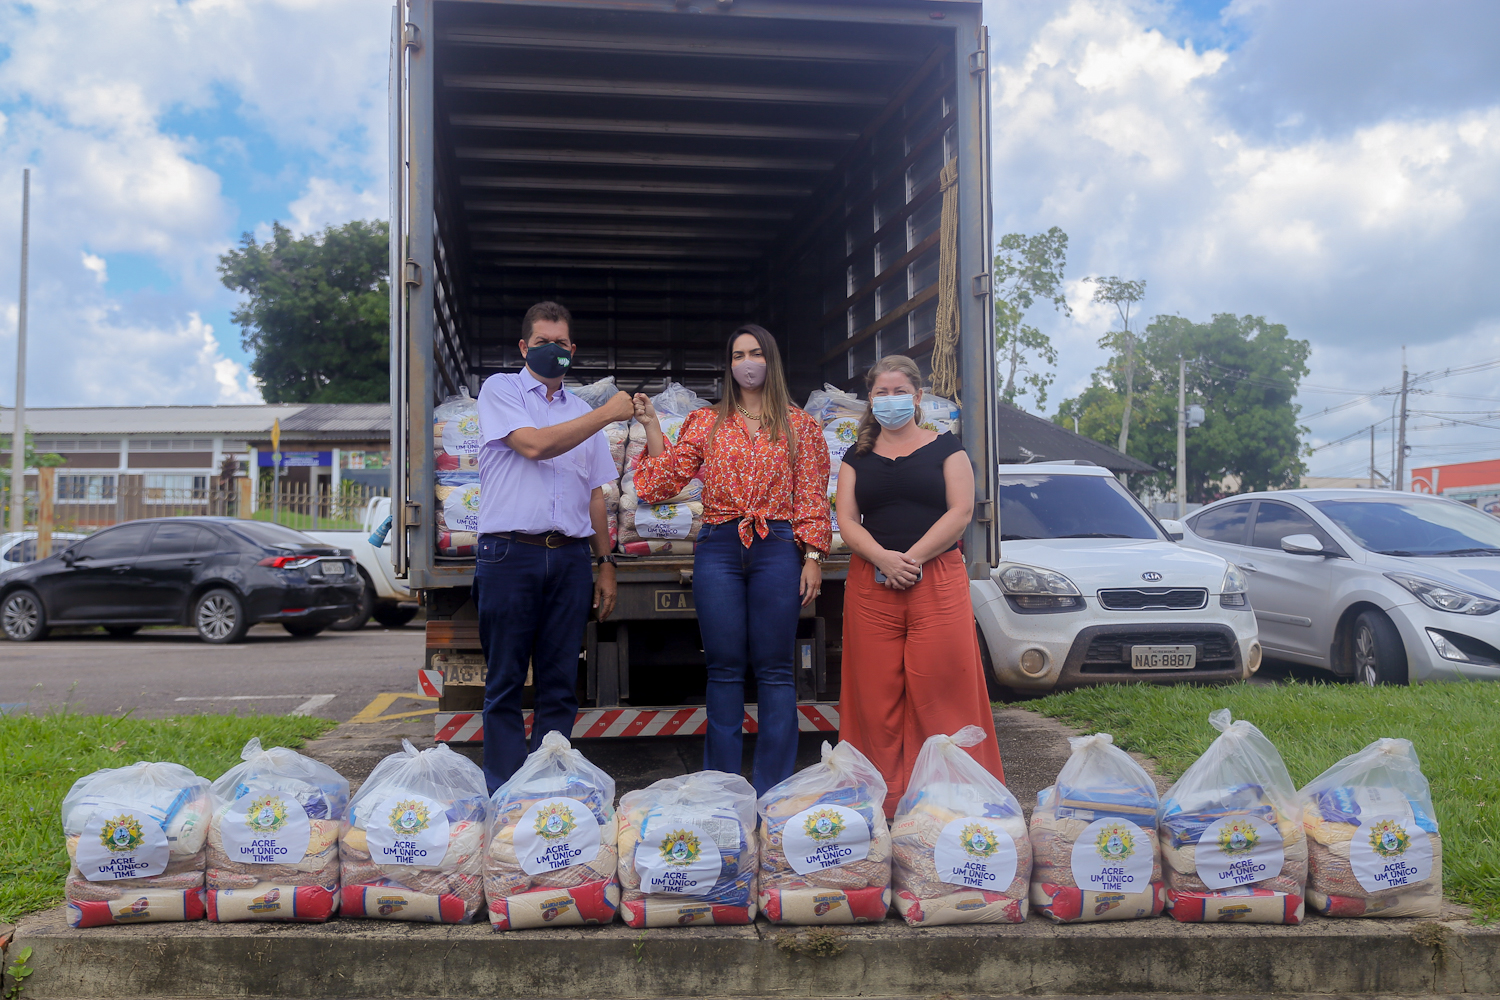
[(912, 670)]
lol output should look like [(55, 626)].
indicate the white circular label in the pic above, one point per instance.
[(1113, 855), (121, 842), (267, 829), (681, 859), (977, 852), (1388, 851), (1239, 850), (556, 833), (408, 830), (825, 837)]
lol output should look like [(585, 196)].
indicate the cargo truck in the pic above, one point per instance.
[(668, 170)]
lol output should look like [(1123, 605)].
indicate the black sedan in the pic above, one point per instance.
[(218, 574)]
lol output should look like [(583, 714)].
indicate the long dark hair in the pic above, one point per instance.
[(776, 401), (869, 427)]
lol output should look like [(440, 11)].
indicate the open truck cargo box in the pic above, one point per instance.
[(668, 170)]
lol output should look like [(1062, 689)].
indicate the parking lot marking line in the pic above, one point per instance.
[(312, 704), (373, 712), (252, 697)]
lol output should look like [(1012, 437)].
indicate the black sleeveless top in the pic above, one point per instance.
[(900, 499)]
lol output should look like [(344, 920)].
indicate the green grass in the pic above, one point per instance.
[(304, 522), (42, 755), (1455, 728)]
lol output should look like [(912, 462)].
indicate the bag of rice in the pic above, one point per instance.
[(1094, 849), (552, 858), (687, 851), (136, 839), (959, 840), (412, 845), (1373, 843), (825, 851), (273, 843), (1231, 833), (457, 513), (675, 521), (455, 434)]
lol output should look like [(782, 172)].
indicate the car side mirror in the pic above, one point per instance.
[(67, 557), (1174, 529), (1302, 545)]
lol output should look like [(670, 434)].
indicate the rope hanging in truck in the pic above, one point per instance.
[(945, 338)]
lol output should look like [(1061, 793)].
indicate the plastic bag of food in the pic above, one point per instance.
[(830, 403), (674, 522), (938, 414), (458, 543), (136, 837), (552, 855), (455, 434), (1231, 832), (413, 841), (1372, 836), (1094, 848), (959, 840), (687, 851), (596, 394), (617, 435), (657, 547), (672, 405), (825, 850), (273, 843), (612, 511)]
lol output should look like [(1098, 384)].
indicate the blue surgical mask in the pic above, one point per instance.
[(893, 411)]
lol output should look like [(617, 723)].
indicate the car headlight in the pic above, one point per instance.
[(1034, 588), (1442, 597), (1232, 591)]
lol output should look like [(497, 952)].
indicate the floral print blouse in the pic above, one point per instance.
[(745, 478)]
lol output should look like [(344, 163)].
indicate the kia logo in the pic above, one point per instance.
[(1151, 576)]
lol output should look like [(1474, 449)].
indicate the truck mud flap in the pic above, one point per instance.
[(607, 723)]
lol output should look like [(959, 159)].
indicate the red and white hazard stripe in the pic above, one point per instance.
[(608, 723), (431, 682)]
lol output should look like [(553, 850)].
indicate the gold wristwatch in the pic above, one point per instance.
[(813, 554)]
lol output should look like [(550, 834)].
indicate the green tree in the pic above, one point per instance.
[(316, 316), (1123, 294), (32, 460), (1027, 268), (1242, 369)]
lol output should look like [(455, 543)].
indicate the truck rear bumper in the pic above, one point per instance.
[(624, 723)]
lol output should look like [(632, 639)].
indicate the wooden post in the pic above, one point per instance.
[(245, 488), (46, 495)]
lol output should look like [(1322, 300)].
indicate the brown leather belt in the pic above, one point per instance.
[(551, 540)]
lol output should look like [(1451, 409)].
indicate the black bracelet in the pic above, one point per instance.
[(601, 560)]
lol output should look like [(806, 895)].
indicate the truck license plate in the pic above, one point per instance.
[(1163, 657), (333, 567)]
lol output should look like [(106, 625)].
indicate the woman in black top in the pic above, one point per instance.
[(911, 655)]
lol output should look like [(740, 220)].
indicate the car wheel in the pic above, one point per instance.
[(23, 617), (394, 615), (122, 631), (362, 610), (1379, 656), (302, 629), (219, 617), (992, 685)]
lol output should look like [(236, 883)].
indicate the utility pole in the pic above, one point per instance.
[(1181, 437), (1401, 438), (18, 425), (1372, 456)]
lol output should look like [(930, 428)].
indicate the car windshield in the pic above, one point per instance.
[(266, 533), (1065, 506), (1415, 527)]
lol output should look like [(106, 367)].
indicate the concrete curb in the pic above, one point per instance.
[(373, 959)]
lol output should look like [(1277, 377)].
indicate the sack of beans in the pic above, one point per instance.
[(825, 850), (687, 852), (136, 837), (1094, 849), (455, 434), (273, 843), (1231, 833), (959, 840), (552, 855), (412, 844), (1372, 836)]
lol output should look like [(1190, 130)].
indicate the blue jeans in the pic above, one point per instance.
[(748, 605), (533, 606)]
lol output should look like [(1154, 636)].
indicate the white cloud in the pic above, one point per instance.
[(326, 202), (96, 266)]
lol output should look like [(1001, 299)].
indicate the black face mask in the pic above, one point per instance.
[(548, 360)]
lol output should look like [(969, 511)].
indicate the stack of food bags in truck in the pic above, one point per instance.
[(552, 854), (825, 851), (1231, 833), (413, 841), (455, 449), (136, 839), (959, 840), (687, 851), (273, 844), (1373, 844), (596, 394), (1094, 848), (670, 527), (839, 413)]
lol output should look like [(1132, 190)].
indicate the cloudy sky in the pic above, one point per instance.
[(1332, 166)]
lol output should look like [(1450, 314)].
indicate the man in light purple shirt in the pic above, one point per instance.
[(542, 466)]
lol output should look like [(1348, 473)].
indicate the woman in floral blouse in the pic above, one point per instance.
[(758, 561)]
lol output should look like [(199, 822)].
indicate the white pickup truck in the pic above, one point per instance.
[(386, 599)]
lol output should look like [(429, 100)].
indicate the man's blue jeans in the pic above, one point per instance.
[(533, 606), (748, 605)]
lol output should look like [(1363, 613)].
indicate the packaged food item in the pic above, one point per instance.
[(273, 842), (455, 434), (553, 856), (825, 850), (672, 405), (1231, 823), (1094, 848), (596, 394), (412, 845), (1372, 836), (136, 837), (830, 403), (687, 851), (612, 511), (457, 543), (938, 414), (675, 521), (617, 435), (959, 840)]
